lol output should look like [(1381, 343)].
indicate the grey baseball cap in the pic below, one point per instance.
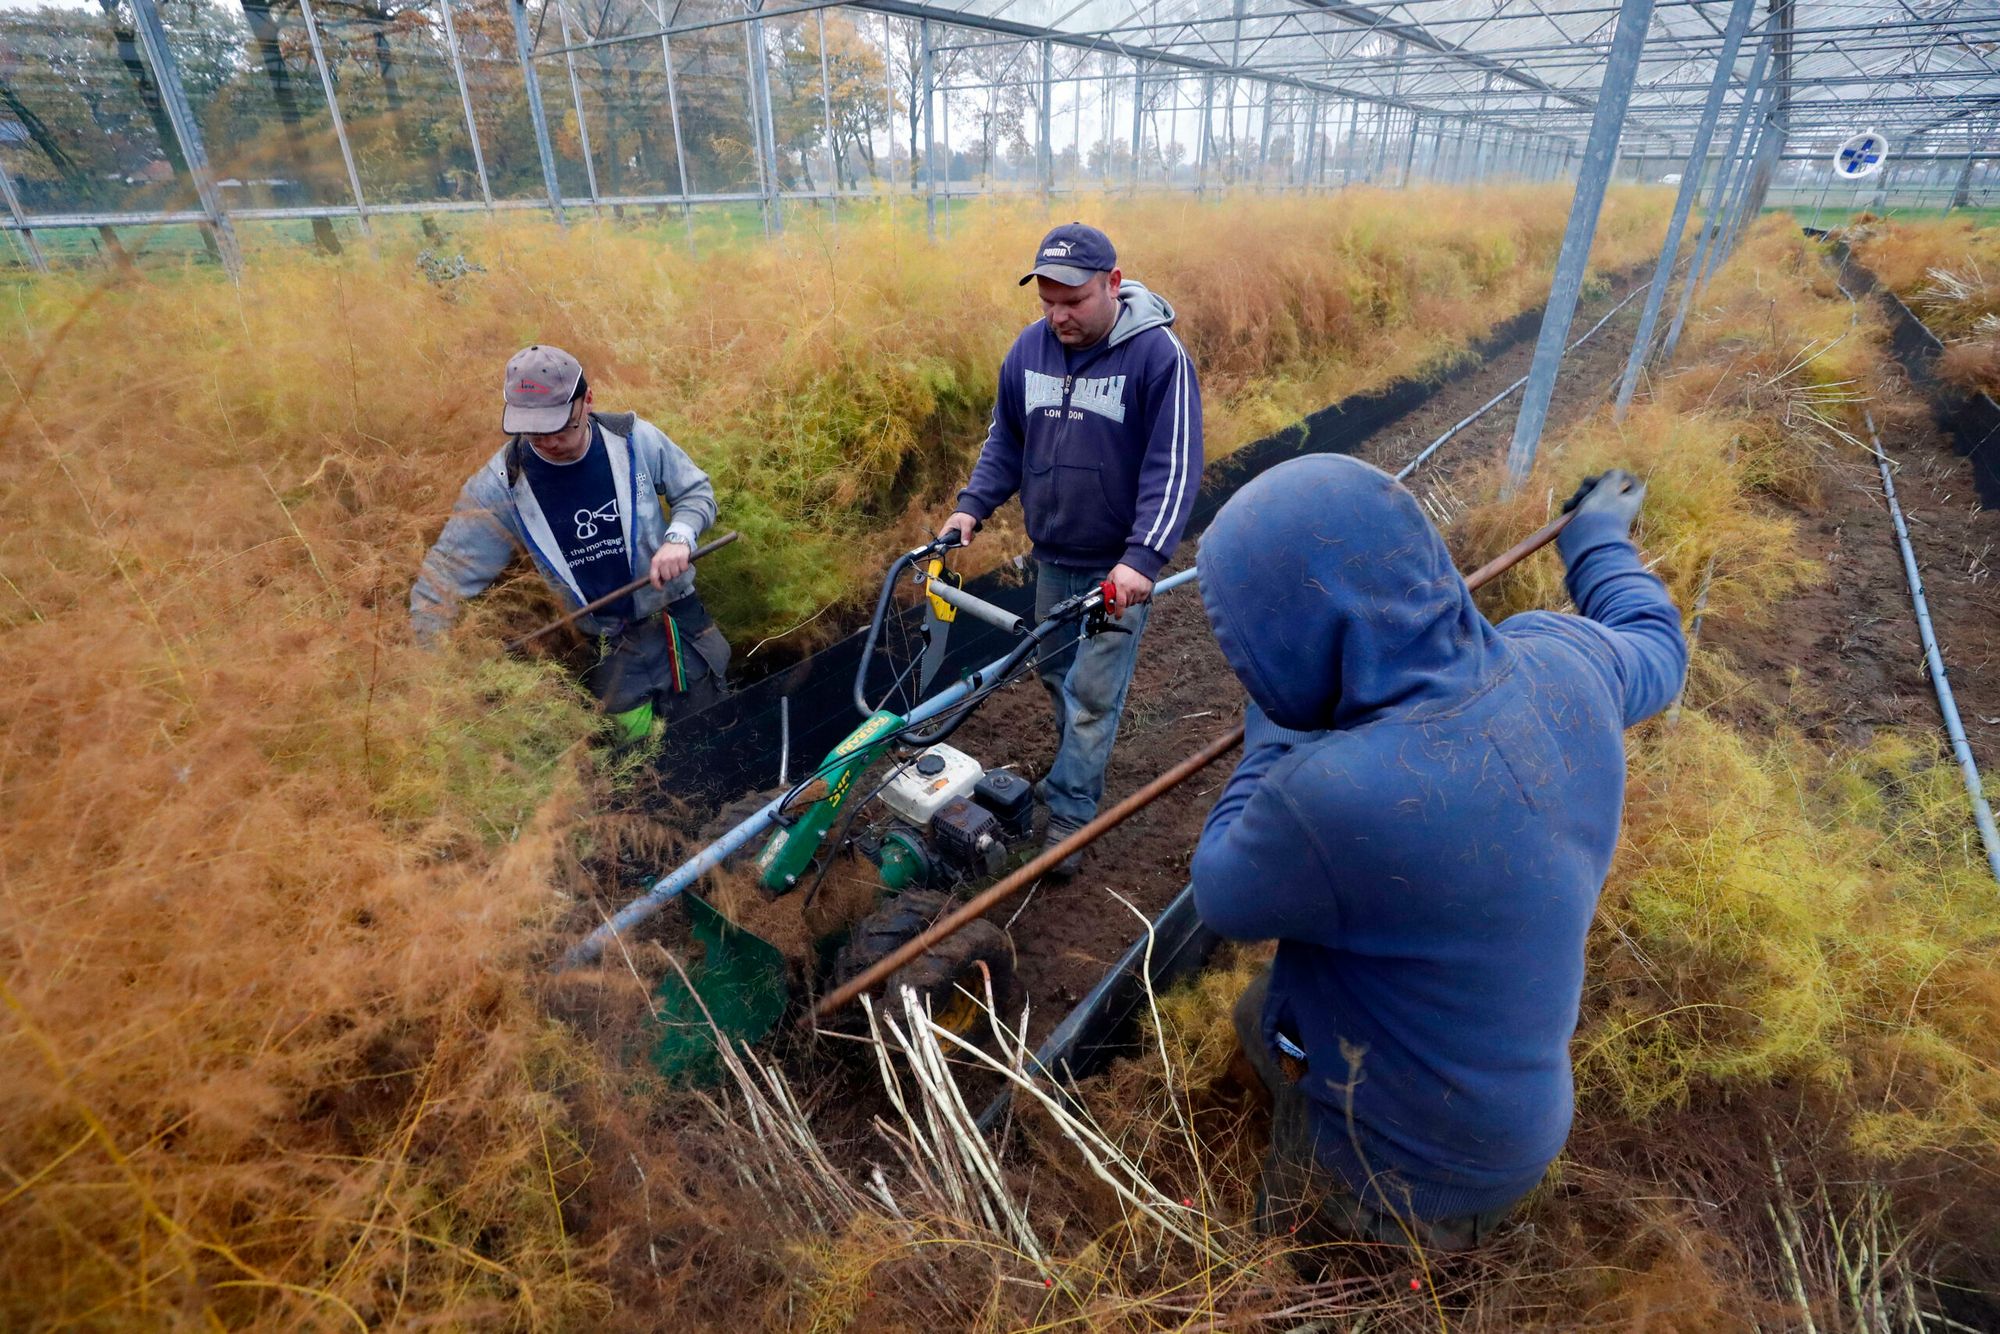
[(542, 382)]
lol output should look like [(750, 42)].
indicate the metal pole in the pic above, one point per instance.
[(524, 42), (1881, 199), (1739, 181), (1740, 191), (1606, 125), (1410, 151), (1138, 118), (826, 109), (1821, 201), (1348, 171), (944, 133), (1048, 153), (465, 100), (1961, 190), (1264, 134), (1109, 118), (889, 109), (674, 119), (36, 260), (1309, 141), (576, 100), (333, 110), (1207, 132), (1751, 204), (167, 75), (1725, 65), (757, 74), (929, 93), (1713, 216)]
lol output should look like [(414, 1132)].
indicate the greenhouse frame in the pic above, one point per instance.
[(215, 113)]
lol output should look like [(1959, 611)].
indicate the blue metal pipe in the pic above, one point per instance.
[(1982, 814)]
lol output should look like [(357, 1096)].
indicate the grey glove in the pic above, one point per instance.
[(1617, 493)]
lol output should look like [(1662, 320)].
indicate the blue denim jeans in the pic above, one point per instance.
[(1087, 684)]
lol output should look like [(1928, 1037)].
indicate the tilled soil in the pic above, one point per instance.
[(1842, 658)]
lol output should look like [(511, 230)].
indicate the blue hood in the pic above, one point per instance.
[(1375, 595)]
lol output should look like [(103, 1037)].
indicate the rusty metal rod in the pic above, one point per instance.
[(984, 902), (1520, 551), (611, 597)]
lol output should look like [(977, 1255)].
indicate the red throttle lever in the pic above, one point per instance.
[(1100, 619)]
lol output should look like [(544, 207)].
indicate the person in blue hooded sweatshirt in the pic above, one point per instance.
[(1423, 818), (1097, 424)]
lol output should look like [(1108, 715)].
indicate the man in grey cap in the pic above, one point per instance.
[(596, 500), (1098, 427)]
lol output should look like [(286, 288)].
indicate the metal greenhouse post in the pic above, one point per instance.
[(1264, 133), (36, 259), (333, 112), (826, 113), (928, 91), (674, 119), (1410, 151), (1740, 189), (465, 100), (1769, 145), (1605, 127), (167, 74), (1046, 148), (1712, 218), (1138, 117), (944, 137), (764, 130), (1206, 135), (576, 100), (524, 42), (889, 110), (1961, 190), (1725, 65)]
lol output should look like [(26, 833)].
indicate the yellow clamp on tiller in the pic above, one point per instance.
[(936, 571)]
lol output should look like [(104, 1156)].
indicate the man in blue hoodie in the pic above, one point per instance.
[(1423, 818), (1098, 425)]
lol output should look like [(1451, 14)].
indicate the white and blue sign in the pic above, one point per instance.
[(1862, 156)]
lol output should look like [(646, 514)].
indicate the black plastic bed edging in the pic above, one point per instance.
[(1102, 1024), (730, 748), (1971, 419)]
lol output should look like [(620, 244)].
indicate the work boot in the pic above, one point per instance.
[(1060, 829)]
